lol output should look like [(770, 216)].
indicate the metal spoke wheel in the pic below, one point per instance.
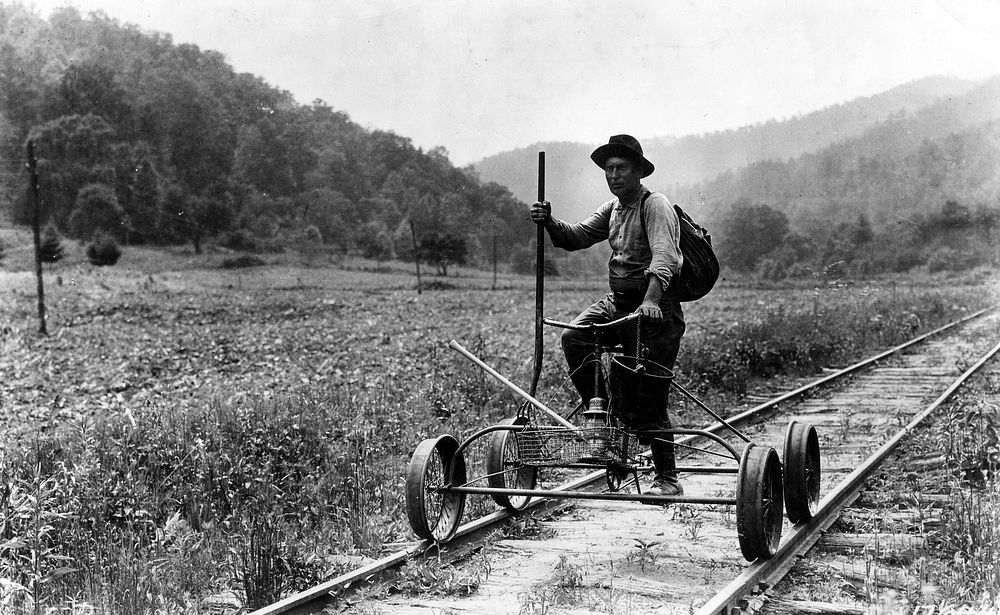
[(615, 475), (759, 504), (433, 511), (505, 470), (801, 472)]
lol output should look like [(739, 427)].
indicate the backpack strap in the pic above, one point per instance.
[(642, 213)]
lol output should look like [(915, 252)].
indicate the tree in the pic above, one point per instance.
[(749, 232), (212, 215), (90, 88), (271, 153), (137, 186), (197, 138), (985, 220), (51, 249), (326, 209), (443, 250), (862, 232), (954, 215), (97, 210), (73, 151), (374, 240)]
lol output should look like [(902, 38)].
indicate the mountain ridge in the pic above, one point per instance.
[(575, 189)]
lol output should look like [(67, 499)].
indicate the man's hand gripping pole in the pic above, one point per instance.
[(539, 278)]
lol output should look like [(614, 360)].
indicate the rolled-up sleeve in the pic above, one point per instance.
[(592, 229), (664, 233)]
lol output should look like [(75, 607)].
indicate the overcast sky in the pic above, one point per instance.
[(483, 76)]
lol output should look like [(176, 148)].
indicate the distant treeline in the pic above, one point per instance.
[(865, 205), (155, 142)]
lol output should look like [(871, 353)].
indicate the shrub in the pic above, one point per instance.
[(51, 249), (242, 261), (374, 240), (311, 235), (948, 259), (771, 269), (943, 259), (241, 240), (103, 250), (523, 262)]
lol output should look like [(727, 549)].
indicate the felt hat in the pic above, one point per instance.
[(624, 146)]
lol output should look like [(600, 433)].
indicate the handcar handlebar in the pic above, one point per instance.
[(592, 326)]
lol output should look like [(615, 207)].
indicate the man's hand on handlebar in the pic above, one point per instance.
[(650, 310), (541, 212), (592, 326)]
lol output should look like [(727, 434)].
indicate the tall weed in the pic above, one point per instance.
[(971, 527), (836, 327)]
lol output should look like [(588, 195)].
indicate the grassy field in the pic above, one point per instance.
[(188, 431)]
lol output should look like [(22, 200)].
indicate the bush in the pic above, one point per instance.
[(948, 259), (374, 240), (103, 250), (771, 269), (51, 249), (242, 261), (241, 240), (311, 235)]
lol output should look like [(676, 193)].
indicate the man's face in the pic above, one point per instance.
[(622, 175)]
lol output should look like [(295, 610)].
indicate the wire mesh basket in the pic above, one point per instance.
[(553, 446)]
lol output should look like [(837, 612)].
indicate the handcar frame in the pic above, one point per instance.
[(437, 481)]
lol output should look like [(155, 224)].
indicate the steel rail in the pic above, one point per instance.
[(313, 600), (580, 495), (308, 601), (763, 574)]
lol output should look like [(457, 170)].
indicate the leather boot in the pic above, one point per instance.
[(665, 466)]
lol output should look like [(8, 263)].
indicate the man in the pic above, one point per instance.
[(645, 257)]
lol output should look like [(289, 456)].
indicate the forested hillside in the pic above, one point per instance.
[(904, 179), (918, 189), (155, 142)]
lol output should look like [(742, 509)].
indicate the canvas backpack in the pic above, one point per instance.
[(700, 269)]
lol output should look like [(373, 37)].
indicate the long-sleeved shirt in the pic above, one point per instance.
[(633, 257)]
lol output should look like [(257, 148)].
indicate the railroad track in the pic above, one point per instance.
[(613, 556)]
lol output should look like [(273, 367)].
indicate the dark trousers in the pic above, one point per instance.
[(661, 340)]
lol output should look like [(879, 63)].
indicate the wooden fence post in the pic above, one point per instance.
[(416, 256), (36, 232)]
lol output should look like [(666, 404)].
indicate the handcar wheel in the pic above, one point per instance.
[(434, 512), (615, 475), (759, 502), (505, 470), (801, 472)]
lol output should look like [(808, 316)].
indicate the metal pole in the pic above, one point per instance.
[(539, 278), (510, 385)]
